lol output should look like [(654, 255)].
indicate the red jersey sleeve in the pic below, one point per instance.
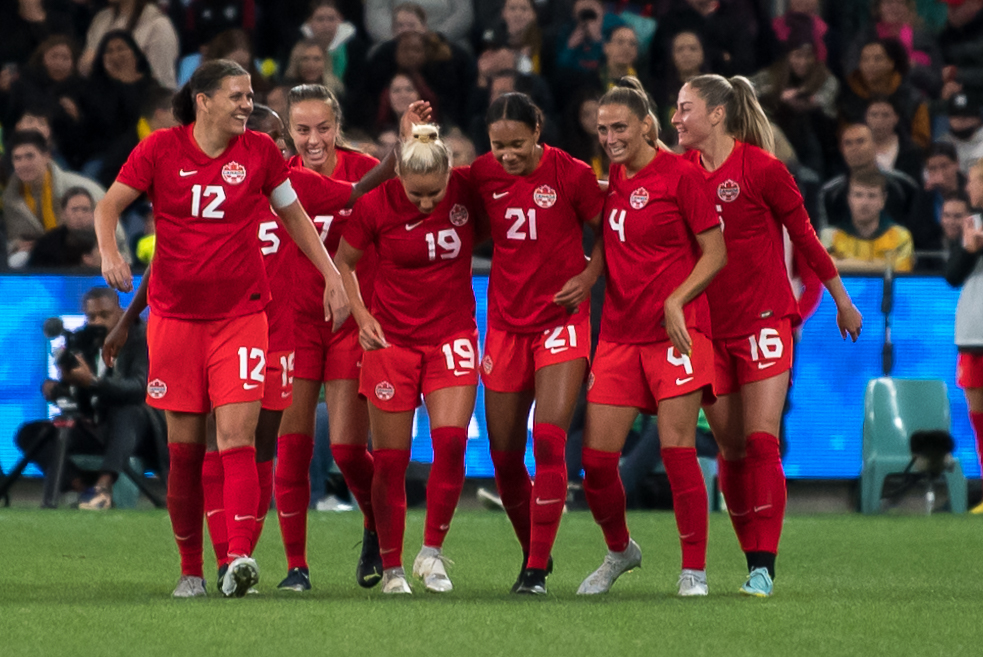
[(138, 171), (361, 230), (695, 202), (274, 166), (582, 189), (781, 194)]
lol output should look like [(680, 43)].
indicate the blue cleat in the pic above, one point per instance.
[(758, 583), (298, 579)]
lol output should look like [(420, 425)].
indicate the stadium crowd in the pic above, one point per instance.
[(889, 86)]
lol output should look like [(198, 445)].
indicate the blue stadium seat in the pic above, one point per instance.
[(893, 410)]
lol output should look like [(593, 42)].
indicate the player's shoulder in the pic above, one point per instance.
[(356, 162), (563, 162)]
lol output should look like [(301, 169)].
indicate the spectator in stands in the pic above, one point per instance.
[(898, 19), (347, 50), (72, 243), (686, 59), (505, 82), (31, 201), (798, 12), (276, 100), (882, 70), (155, 114), (580, 41), (309, 65), (462, 149), (965, 130), (895, 150), (956, 208), (119, 82), (942, 179), (403, 89), (962, 49), (198, 22), (620, 57), (150, 29), (857, 149), (235, 44), (497, 58), (799, 94), (579, 132), (24, 24), (387, 19), (518, 28), (39, 119), (872, 242)]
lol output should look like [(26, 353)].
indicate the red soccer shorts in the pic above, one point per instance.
[(969, 371), (641, 375), (279, 389), (753, 357), (394, 378), (196, 366), (512, 359), (326, 356)]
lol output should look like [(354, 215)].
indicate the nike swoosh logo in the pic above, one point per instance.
[(456, 373), (289, 515), (558, 350), (185, 174), (250, 386), (738, 515), (764, 366), (444, 528), (182, 538), (412, 226), (545, 502), (498, 196), (381, 552), (239, 518), (211, 513), (284, 395), (759, 509), (371, 576), (680, 382)]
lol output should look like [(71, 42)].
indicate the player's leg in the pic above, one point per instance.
[(507, 417), (974, 400), (726, 419), (969, 377), (267, 429), (185, 506), (213, 491)]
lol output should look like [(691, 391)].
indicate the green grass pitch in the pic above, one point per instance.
[(83, 584)]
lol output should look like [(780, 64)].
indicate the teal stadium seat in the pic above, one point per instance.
[(893, 410)]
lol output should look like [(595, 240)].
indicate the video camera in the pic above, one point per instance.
[(85, 342)]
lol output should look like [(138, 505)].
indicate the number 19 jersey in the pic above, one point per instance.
[(537, 228), (650, 224), (207, 263)]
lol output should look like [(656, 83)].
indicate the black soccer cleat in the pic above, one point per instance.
[(221, 575), (298, 579), (369, 571), (525, 560), (532, 582)]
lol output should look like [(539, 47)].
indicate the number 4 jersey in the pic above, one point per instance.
[(423, 278), (537, 228), (207, 211)]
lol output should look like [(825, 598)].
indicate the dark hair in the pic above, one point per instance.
[(100, 293), (628, 91), (515, 106), (957, 195), (881, 98), (27, 138), (37, 58), (72, 192), (261, 113), (156, 98), (943, 148), (413, 8), (99, 72), (206, 79), (894, 50), (303, 92), (868, 178), (317, 4)]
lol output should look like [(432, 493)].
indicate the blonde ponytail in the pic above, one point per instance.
[(424, 152), (745, 119)]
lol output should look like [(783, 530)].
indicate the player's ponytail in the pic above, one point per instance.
[(518, 107), (745, 119), (628, 91), (424, 153), (206, 79)]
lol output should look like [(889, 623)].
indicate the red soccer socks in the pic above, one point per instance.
[(445, 482), (549, 492), (689, 502), (515, 490), (293, 494), (241, 498), (389, 503), (606, 496), (213, 487), (185, 503), (356, 467)]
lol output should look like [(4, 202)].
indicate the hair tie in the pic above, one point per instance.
[(423, 138)]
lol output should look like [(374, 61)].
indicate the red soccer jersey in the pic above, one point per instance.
[(537, 228), (349, 165), (279, 257), (650, 224), (423, 281), (207, 264), (756, 196)]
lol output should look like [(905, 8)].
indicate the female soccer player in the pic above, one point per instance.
[(419, 338), (208, 333), (538, 340), (964, 269), (662, 246), (753, 310)]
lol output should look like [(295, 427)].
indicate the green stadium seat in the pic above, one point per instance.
[(893, 410)]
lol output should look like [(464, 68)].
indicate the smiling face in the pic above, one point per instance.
[(310, 64), (313, 129), (402, 92), (693, 120), (119, 60), (30, 163), (513, 144), (229, 107), (425, 190), (622, 134)]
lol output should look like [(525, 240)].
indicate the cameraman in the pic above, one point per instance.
[(114, 420)]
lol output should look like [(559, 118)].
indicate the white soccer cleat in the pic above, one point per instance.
[(615, 564), (429, 566), (394, 581), (242, 575), (190, 586), (693, 582)]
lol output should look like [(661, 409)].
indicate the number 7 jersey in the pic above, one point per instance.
[(207, 264)]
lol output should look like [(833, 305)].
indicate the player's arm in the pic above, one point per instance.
[(117, 336), (370, 334), (712, 260), (578, 288), (108, 209), (302, 231)]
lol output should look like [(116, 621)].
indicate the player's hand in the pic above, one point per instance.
[(370, 334), (574, 292), (850, 321), (117, 272), (337, 308), (418, 112), (676, 326), (114, 342)]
